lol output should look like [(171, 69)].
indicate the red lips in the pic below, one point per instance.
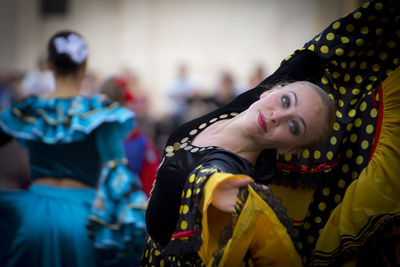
[(262, 122)]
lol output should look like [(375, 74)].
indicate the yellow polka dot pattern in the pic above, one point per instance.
[(153, 257), (359, 52), (186, 221)]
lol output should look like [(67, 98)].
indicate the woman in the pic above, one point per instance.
[(210, 159), (74, 144), (341, 195)]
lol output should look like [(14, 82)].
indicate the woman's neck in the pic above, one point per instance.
[(66, 86), (229, 135)]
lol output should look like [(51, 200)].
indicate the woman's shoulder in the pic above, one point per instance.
[(189, 130), (227, 161), (53, 119)]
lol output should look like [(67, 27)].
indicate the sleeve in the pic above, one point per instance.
[(117, 217), (258, 230), (354, 174), (224, 239), (367, 221)]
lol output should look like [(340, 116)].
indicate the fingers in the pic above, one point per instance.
[(264, 187), (224, 197), (241, 182)]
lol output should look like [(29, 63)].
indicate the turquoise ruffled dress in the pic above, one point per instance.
[(102, 224)]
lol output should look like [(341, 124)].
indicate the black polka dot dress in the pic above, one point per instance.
[(357, 52), (350, 182)]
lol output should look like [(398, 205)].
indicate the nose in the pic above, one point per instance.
[(277, 116), (274, 117)]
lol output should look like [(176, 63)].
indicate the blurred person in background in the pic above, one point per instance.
[(226, 89), (178, 91), (39, 81), (79, 173), (257, 76), (141, 101), (142, 154), (199, 104)]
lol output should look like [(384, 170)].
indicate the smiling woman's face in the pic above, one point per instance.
[(286, 118)]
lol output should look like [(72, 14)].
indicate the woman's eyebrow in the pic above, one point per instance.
[(295, 97), (304, 124)]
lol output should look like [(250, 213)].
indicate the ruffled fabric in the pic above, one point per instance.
[(117, 217), (368, 219), (357, 52), (258, 216), (194, 244), (62, 120), (116, 220)]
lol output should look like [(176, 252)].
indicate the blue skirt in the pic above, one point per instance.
[(45, 226)]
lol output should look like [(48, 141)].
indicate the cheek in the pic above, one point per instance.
[(283, 138), (315, 134), (281, 135)]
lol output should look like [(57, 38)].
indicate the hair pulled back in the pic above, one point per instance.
[(67, 52)]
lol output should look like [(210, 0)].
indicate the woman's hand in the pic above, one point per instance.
[(226, 192)]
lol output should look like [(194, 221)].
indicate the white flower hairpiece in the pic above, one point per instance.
[(74, 46)]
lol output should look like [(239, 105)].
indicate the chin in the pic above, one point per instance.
[(248, 128)]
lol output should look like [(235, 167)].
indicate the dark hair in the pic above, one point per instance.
[(63, 62), (114, 88)]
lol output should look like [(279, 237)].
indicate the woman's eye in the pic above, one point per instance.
[(294, 127), (285, 101)]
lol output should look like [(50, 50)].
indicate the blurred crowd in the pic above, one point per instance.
[(184, 100)]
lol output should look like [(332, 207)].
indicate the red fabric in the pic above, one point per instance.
[(123, 83), (379, 122), (151, 162)]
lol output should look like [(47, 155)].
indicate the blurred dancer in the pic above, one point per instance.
[(142, 154), (74, 144)]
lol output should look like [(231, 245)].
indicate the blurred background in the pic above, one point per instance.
[(180, 58)]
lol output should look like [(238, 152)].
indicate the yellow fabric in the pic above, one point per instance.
[(258, 229), (295, 200), (377, 190)]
